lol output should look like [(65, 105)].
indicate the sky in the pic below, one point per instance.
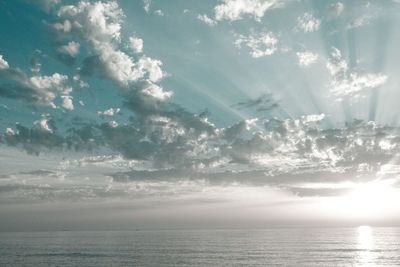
[(185, 113)]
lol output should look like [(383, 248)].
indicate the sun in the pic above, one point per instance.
[(371, 200)]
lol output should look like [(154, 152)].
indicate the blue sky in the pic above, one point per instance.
[(199, 105)]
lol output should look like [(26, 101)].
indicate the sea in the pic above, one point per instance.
[(359, 246)]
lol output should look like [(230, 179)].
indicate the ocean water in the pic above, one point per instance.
[(268, 247)]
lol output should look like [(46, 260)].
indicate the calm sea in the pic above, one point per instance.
[(269, 247)]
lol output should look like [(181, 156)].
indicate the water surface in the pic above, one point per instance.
[(268, 247)]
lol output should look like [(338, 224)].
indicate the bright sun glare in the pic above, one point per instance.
[(365, 238), (365, 243), (372, 200)]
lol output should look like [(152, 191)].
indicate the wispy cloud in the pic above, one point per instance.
[(347, 82), (306, 58), (308, 23), (232, 10), (260, 44)]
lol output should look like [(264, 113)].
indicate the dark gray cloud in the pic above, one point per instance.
[(20, 193), (188, 142), (35, 139), (255, 177), (263, 103), (39, 90)]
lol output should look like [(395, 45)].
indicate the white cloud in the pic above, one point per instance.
[(336, 65), (48, 87), (36, 89), (261, 44), (365, 13), (152, 67), (71, 49), (356, 83), (313, 118), (10, 131), (65, 26), (96, 21), (345, 82), (360, 21), (306, 58), (119, 66), (109, 112), (159, 12), (235, 9), (308, 23), (43, 125), (207, 20), (113, 124), (3, 63), (156, 92), (45, 82), (135, 44), (67, 102), (99, 25), (82, 84), (336, 8), (146, 5)]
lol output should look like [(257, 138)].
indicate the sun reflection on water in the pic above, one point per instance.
[(365, 245)]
